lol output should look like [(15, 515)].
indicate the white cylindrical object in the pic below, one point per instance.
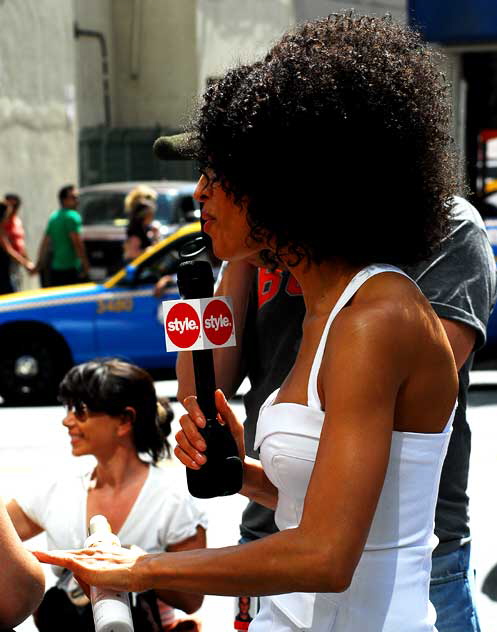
[(111, 610)]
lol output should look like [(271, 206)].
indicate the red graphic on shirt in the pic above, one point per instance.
[(269, 284), (218, 322), (182, 325), (292, 287)]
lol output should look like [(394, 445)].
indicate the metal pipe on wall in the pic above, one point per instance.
[(136, 27), (79, 32)]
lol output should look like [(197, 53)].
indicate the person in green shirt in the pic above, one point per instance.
[(69, 263)]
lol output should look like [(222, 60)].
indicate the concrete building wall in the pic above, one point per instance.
[(93, 15), (155, 62), (234, 31), (309, 9), (162, 52), (231, 31), (38, 152)]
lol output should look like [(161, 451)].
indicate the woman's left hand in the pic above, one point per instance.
[(190, 443), (98, 567)]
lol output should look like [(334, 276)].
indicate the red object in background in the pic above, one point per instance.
[(243, 616), (487, 134)]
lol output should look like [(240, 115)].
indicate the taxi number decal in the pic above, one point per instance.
[(115, 305)]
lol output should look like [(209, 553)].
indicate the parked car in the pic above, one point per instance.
[(45, 332), (104, 218)]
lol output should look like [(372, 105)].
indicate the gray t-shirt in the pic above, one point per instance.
[(460, 282)]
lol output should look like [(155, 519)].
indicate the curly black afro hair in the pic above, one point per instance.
[(339, 142)]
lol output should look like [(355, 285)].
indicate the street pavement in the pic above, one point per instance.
[(34, 443)]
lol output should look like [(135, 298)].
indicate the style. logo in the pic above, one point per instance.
[(182, 325), (218, 322), (199, 323)]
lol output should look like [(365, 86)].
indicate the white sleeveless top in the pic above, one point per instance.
[(390, 587)]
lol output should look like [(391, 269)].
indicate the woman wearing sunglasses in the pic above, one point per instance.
[(113, 414)]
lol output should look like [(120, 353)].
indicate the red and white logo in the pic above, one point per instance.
[(182, 325), (218, 322), (200, 323)]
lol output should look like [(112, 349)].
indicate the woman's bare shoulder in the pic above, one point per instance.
[(385, 316)]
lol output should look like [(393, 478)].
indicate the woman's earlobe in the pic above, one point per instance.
[(128, 417), (129, 414)]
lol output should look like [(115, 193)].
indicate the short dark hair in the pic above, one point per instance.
[(109, 386), (338, 141), (64, 192), (13, 197)]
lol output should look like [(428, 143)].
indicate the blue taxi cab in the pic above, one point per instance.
[(45, 332)]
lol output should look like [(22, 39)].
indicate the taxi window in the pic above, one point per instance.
[(177, 207), (101, 208), (150, 271), (166, 261), (107, 208)]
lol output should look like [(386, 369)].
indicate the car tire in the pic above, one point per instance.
[(31, 368)]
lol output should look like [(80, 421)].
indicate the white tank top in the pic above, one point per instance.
[(389, 590)]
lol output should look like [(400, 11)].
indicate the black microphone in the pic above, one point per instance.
[(222, 474), (176, 147)]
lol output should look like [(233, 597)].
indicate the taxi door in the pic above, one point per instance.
[(129, 326)]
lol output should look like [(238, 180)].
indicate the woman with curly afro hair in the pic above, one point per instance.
[(353, 442)]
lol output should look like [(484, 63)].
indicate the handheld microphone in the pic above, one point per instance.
[(222, 474), (176, 147)]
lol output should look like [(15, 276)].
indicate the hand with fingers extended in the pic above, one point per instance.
[(191, 446), (114, 568)]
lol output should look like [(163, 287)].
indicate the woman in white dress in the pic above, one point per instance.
[(310, 159)]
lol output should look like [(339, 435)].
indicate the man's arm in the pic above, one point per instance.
[(228, 362), (459, 281), (22, 581), (79, 247), (462, 339), (42, 253)]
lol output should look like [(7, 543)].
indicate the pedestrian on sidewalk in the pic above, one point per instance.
[(8, 254), (62, 243), (16, 235)]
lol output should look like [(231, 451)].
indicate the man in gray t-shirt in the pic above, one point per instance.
[(460, 282)]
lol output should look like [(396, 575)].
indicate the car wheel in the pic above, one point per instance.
[(31, 369)]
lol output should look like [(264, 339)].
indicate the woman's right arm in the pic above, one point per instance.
[(13, 254), (24, 526), (132, 247), (22, 581)]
